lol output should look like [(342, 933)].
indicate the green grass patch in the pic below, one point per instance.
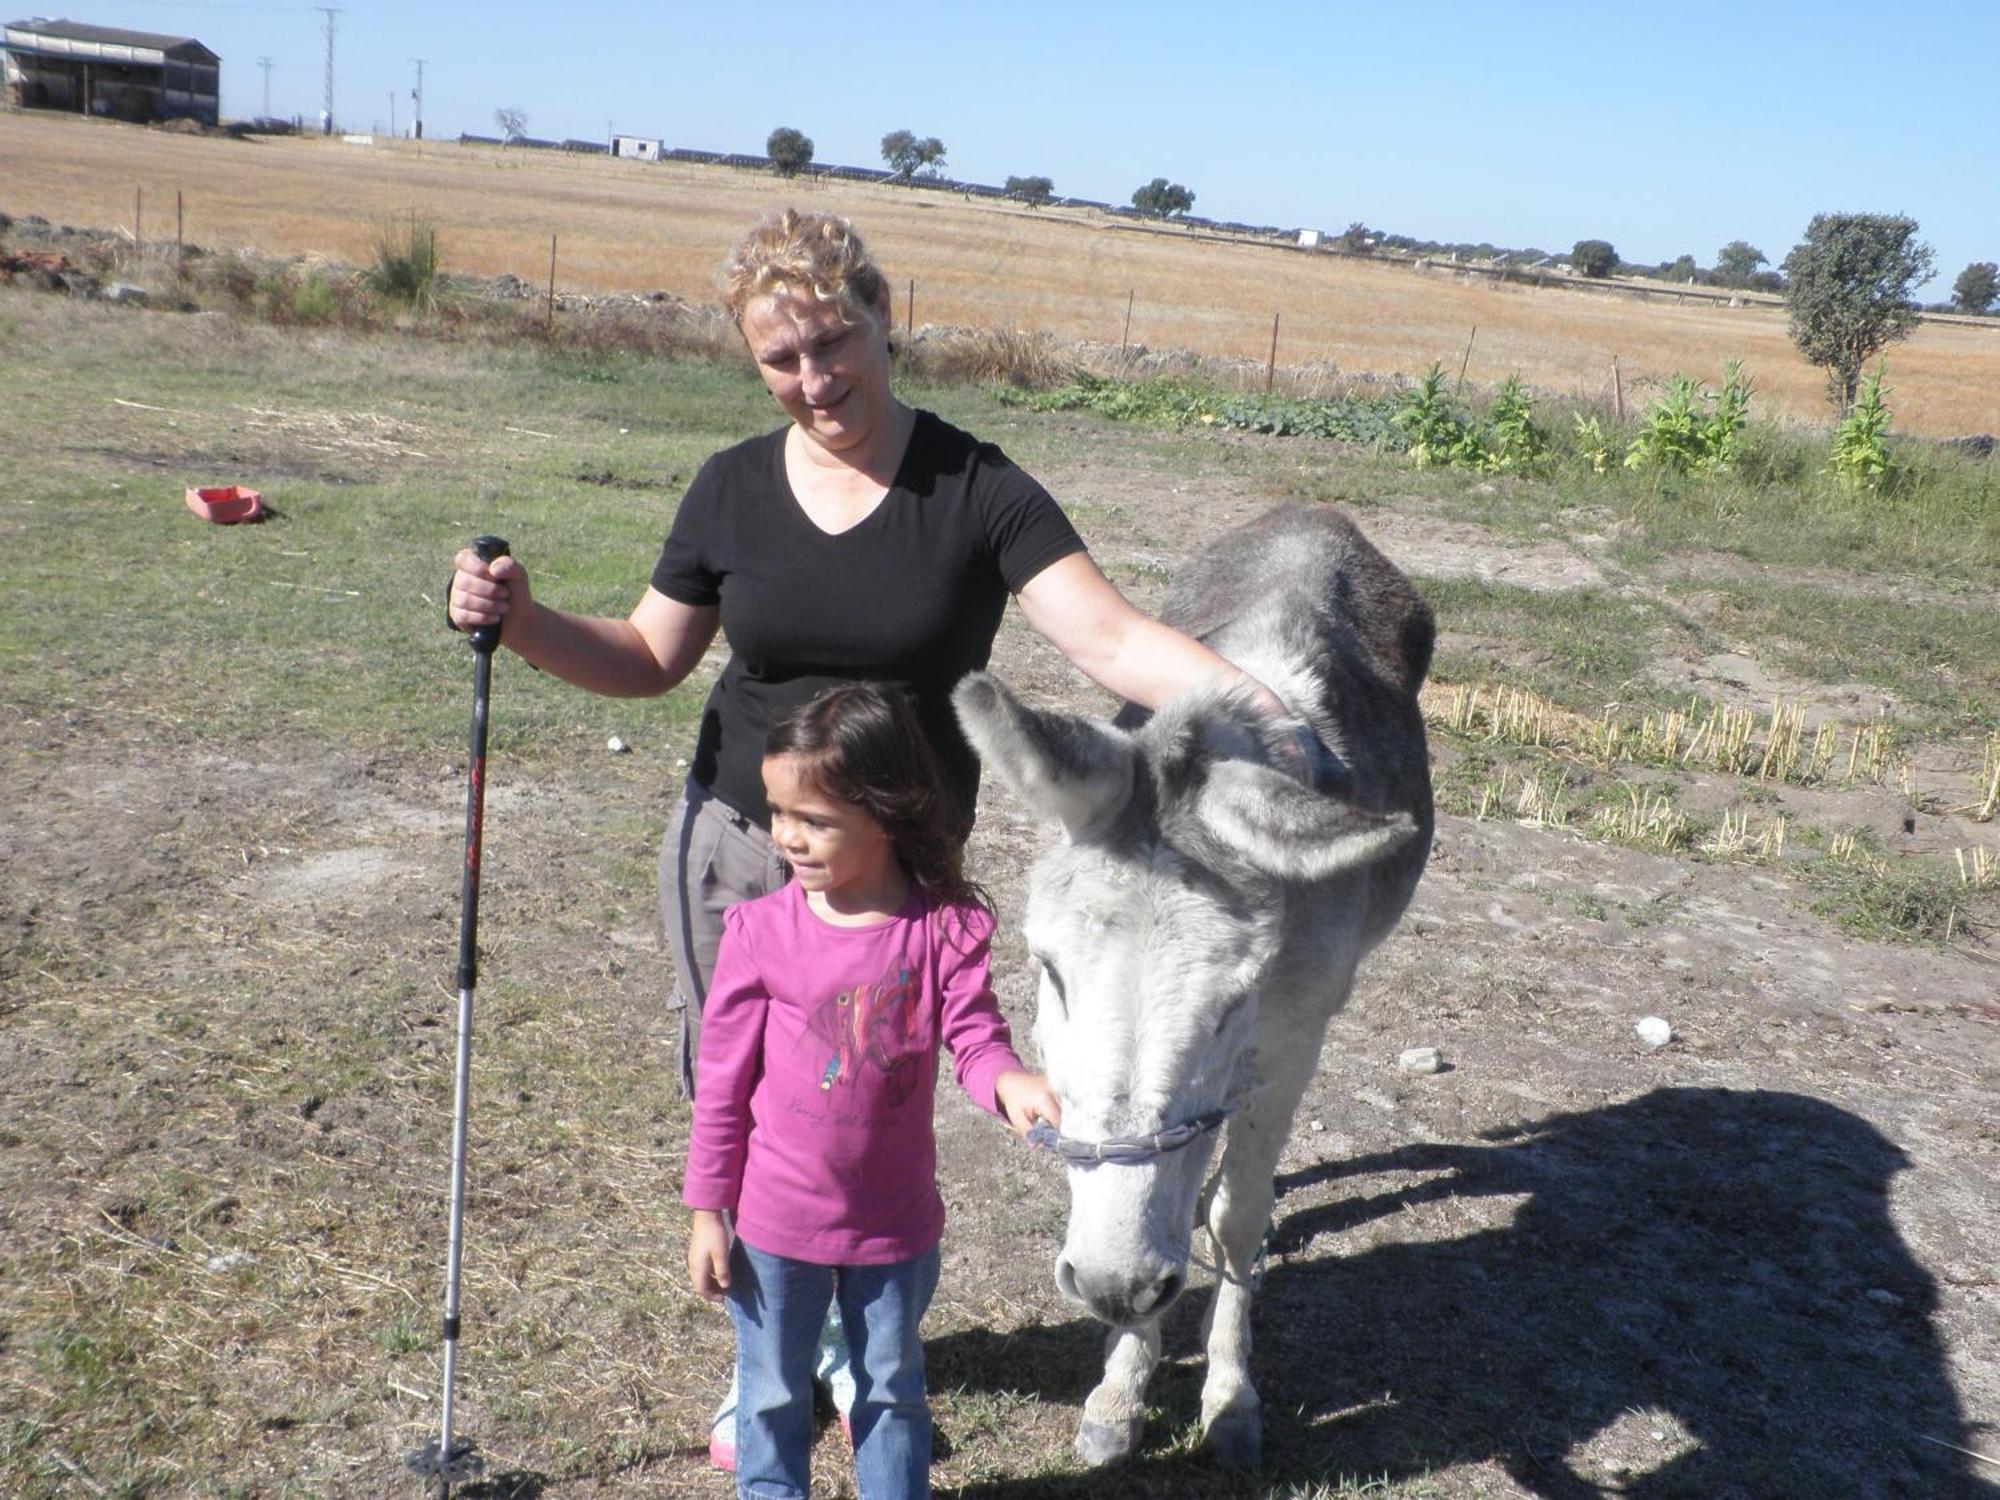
[(1887, 901), (1167, 402), (1933, 656), (1579, 647)]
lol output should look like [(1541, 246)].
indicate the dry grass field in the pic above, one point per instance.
[(637, 227)]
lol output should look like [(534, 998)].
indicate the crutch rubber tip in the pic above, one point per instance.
[(431, 1462)]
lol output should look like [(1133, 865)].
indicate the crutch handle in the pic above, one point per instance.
[(485, 637)]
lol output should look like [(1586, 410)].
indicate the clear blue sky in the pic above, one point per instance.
[(1664, 129)]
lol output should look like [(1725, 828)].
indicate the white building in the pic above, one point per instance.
[(638, 147)]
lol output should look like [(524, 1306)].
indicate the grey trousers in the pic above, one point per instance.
[(711, 858)]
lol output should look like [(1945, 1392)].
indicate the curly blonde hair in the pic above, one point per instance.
[(814, 257)]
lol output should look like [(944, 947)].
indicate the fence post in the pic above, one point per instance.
[(180, 248), (139, 220), (1271, 369), (1125, 339), (1617, 390), (910, 314), (552, 284), (1468, 356)]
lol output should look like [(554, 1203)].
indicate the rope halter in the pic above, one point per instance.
[(1129, 1150)]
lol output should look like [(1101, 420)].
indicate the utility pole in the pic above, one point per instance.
[(326, 115), (417, 96), (265, 64)]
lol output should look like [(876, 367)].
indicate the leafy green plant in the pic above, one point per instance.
[(1590, 442), (1861, 458), (1722, 433), (1516, 444), (1692, 430), (406, 264), (1434, 428), (1670, 430)]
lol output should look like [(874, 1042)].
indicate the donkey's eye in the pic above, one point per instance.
[(1055, 983), (1230, 1011)]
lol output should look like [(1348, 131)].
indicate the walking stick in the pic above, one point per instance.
[(445, 1459)]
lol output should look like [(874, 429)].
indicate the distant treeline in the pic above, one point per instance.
[(753, 161), (1358, 240)]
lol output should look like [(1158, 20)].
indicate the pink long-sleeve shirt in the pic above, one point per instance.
[(818, 1067)]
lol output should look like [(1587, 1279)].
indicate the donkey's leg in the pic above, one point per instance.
[(1115, 1411), (1238, 1218)]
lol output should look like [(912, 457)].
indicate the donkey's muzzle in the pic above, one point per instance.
[(1118, 1295)]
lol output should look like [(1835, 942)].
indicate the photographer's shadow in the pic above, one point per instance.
[(1707, 1282)]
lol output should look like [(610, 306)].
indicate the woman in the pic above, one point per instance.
[(864, 540)]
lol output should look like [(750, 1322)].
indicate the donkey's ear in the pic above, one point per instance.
[(1283, 829), (1077, 770)]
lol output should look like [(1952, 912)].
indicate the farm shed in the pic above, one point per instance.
[(638, 147), (108, 71)]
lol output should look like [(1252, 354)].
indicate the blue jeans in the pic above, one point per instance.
[(779, 1306)]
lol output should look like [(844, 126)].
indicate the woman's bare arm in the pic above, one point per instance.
[(649, 652)]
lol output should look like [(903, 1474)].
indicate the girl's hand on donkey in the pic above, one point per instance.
[(708, 1254), (1026, 1098)]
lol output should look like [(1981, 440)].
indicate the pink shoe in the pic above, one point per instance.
[(721, 1452)]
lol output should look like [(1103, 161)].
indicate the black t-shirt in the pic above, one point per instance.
[(912, 596)]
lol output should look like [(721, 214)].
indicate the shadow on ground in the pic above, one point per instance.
[(1709, 1272)]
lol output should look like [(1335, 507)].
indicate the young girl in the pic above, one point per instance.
[(812, 1160)]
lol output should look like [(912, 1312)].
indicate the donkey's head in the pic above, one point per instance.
[(1155, 922)]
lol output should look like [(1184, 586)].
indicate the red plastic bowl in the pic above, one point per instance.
[(226, 504)]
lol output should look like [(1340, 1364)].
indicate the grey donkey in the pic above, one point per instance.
[(1201, 919)]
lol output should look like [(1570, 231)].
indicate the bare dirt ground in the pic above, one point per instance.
[(1756, 1262)]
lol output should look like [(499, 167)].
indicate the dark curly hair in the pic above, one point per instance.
[(860, 742)]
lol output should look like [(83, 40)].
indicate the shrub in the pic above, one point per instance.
[(406, 265), (314, 299), (1027, 361)]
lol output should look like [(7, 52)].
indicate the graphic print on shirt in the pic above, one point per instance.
[(873, 1026)]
